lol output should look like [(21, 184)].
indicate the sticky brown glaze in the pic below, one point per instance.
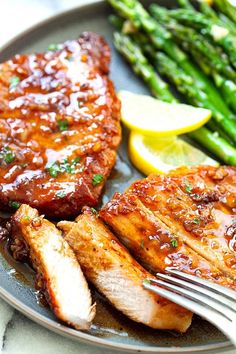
[(59, 127), (58, 274), (209, 184), (153, 242), (109, 266), (195, 210), (5, 229)]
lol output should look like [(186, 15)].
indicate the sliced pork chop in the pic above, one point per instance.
[(59, 127), (194, 210), (59, 276), (108, 265), (153, 243), (191, 215)]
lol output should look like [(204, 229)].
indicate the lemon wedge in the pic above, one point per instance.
[(160, 155), (152, 117)]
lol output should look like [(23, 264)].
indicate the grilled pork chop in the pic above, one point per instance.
[(59, 127), (59, 276), (108, 265), (184, 220)]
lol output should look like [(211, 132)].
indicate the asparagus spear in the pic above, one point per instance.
[(117, 22), (227, 87), (206, 9), (185, 85), (219, 146), (216, 144), (214, 29), (227, 125), (220, 18), (162, 39), (142, 68), (217, 59), (228, 23), (182, 81), (209, 59), (215, 128), (185, 4), (227, 8)]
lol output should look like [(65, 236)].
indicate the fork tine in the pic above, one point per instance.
[(210, 302), (205, 312), (191, 286), (231, 294), (191, 305), (209, 314)]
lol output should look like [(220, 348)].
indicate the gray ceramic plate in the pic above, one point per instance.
[(111, 329)]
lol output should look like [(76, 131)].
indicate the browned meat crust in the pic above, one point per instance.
[(184, 220), (59, 127), (59, 277), (108, 265)]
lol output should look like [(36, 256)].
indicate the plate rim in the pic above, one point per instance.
[(57, 327)]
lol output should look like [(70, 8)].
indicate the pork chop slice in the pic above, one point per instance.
[(59, 127), (153, 242), (197, 211), (59, 276), (109, 266)]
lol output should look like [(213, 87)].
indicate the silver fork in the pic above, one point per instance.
[(215, 303)]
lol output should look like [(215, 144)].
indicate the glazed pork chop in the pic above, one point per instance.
[(38, 241), (184, 220), (59, 127), (107, 264)]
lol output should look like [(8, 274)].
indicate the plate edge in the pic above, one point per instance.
[(61, 329)]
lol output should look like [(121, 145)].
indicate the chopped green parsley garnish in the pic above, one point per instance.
[(65, 166), (23, 165), (13, 204), (26, 218), (54, 169), (7, 155), (53, 46), (76, 160), (94, 211), (97, 179), (60, 194), (188, 186), (196, 221), (14, 81), (62, 125), (174, 242)]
